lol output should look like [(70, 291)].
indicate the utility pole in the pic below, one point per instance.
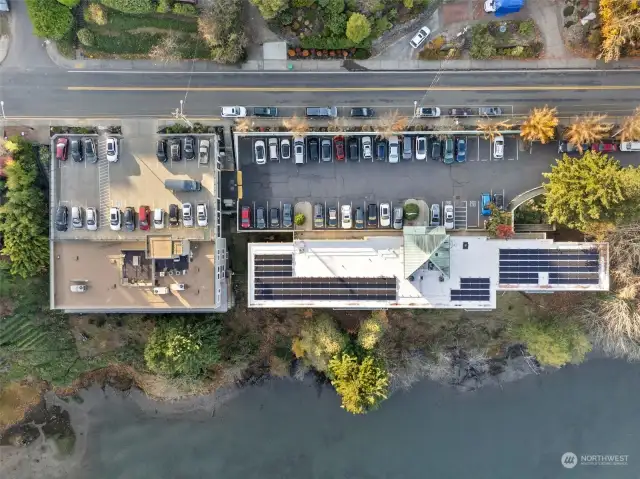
[(2, 106), (178, 114)]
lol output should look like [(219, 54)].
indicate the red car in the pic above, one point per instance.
[(61, 148), (604, 147), (245, 218), (338, 142), (143, 218)]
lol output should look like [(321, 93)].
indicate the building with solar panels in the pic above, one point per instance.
[(424, 268)]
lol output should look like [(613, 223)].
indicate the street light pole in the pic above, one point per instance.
[(178, 114), (2, 106), (415, 107)]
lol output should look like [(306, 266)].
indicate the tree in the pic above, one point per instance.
[(554, 342), (232, 51), (630, 129), (590, 189), (319, 340), (540, 125), (390, 123), (358, 27), (86, 37), (50, 18), (504, 231), (443, 125), (491, 129), (497, 222), (243, 125), (620, 27), (69, 3), (362, 384), (615, 327), (411, 211), (298, 126), (221, 27), (182, 347), (96, 13), (299, 219), (587, 129), (167, 50), (270, 8), (372, 329)]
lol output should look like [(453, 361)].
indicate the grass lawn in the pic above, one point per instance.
[(123, 43), (122, 22)]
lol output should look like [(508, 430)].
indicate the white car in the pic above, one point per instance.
[(498, 146), (448, 217), (345, 212), (419, 38), (385, 215), (112, 149), (187, 215), (394, 149), (428, 112), (630, 146), (203, 152), (92, 219), (490, 6), (421, 148), (298, 150), (158, 218), (201, 214), (367, 153), (260, 152), (285, 149), (115, 219), (233, 111)]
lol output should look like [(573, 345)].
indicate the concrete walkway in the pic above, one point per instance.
[(26, 51)]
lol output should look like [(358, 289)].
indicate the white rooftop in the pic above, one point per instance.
[(431, 285)]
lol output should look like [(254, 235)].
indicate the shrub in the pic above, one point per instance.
[(392, 15), (299, 219), (164, 6), (381, 25), (408, 4), (69, 3), (337, 24), (184, 9), (372, 329), (302, 3), (483, 45), (96, 13), (319, 340), (50, 19), (526, 28), (285, 18), (130, 6), (358, 28), (411, 211), (362, 384), (86, 37), (334, 7), (271, 8)]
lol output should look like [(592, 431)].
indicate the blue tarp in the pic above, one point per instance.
[(505, 7)]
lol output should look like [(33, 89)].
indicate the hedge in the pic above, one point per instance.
[(131, 6), (50, 18)]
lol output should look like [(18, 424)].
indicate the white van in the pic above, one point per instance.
[(630, 146), (273, 149)]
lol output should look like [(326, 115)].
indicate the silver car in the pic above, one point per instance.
[(435, 214), (385, 215), (92, 219), (398, 218), (187, 215), (448, 217), (367, 151), (394, 149)]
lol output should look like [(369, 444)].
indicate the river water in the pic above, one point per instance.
[(285, 429)]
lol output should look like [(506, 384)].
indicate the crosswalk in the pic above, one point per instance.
[(103, 179), (460, 215)]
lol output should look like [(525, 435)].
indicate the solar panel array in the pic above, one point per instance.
[(523, 266), (274, 280), (472, 289)]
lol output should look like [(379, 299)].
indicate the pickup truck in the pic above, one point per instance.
[(203, 155)]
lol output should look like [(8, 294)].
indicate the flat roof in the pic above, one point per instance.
[(362, 273)]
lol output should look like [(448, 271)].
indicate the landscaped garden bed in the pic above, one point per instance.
[(319, 54), (513, 39), (439, 48)]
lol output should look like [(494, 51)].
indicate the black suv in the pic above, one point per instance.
[(362, 112), (372, 215), (161, 151), (129, 219), (436, 149), (313, 147), (265, 111), (352, 149), (61, 218), (76, 149), (89, 150), (188, 148), (274, 218), (173, 215)]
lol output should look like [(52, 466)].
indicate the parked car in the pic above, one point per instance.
[(77, 217), (318, 216), (313, 146), (144, 217), (285, 149), (630, 146), (407, 148), (298, 149), (260, 153), (394, 149), (345, 213), (421, 148), (261, 220), (381, 150), (187, 215), (161, 150), (448, 151), (174, 149), (274, 218), (245, 217), (269, 111), (570, 148), (428, 112), (92, 219), (174, 213), (338, 146), (76, 149), (604, 147), (498, 147), (273, 149), (435, 214), (449, 219), (89, 147), (490, 111), (233, 111), (61, 218), (367, 148), (287, 215), (372, 215), (112, 149), (352, 145), (461, 150), (189, 147), (115, 219), (498, 200), (158, 218), (385, 215), (460, 112), (362, 112), (325, 149), (398, 218), (61, 148), (129, 219), (436, 149), (419, 38), (485, 201), (359, 218), (203, 152), (332, 217)]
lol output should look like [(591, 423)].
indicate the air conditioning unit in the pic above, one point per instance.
[(184, 272), (177, 273), (170, 272), (161, 290), (161, 274)]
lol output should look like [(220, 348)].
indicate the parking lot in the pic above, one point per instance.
[(135, 180)]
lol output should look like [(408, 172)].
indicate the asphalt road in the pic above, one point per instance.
[(51, 92)]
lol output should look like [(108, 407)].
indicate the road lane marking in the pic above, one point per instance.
[(360, 73)]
